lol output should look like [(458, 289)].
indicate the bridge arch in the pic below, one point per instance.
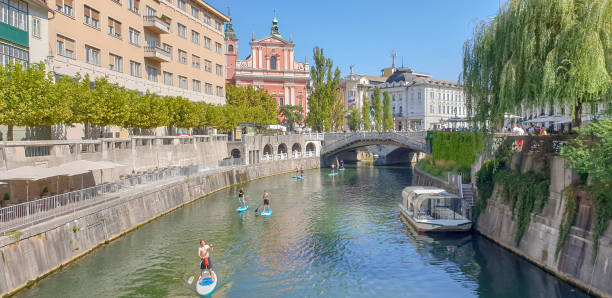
[(236, 153), (414, 141), (311, 147), (282, 148), (296, 148), (268, 150)]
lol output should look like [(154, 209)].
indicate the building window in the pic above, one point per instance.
[(219, 70), (65, 7), (10, 54), (150, 11), (14, 13), (168, 78), (401, 110), (230, 48), (218, 26), (195, 37), (195, 61), (64, 46), (115, 63), (208, 65), (135, 69), (166, 47), (182, 30), (196, 86), (206, 18), (114, 28), (208, 89), (182, 82), (92, 55), (281, 101), (207, 42), (273, 63), (181, 4), (35, 27), (182, 56), (219, 91), (152, 73), (218, 48), (134, 36), (195, 12), (91, 17), (134, 5)]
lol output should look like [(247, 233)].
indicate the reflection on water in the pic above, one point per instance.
[(335, 236)]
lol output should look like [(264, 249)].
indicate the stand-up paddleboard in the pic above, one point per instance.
[(333, 174), (242, 208), (266, 212), (298, 177), (206, 286), (341, 169)]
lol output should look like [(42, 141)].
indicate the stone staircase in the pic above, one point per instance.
[(468, 194)]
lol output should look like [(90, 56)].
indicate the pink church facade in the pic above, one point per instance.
[(271, 65)]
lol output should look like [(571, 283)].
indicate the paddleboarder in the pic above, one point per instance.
[(204, 255), (266, 201), (241, 198), (333, 166), (302, 171), (342, 163)]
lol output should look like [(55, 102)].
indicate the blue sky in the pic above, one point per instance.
[(429, 35)]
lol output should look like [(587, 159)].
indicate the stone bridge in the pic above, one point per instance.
[(338, 143)]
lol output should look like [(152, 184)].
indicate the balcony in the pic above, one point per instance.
[(155, 53), (156, 24)]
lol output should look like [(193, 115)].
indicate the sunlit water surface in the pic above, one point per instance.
[(328, 236)]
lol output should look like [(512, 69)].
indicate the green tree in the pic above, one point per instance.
[(326, 110), (387, 115), (354, 119), (291, 115), (113, 101), (255, 105), (29, 98), (87, 109), (147, 111), (365, 114), (538, 52), (378, 109)]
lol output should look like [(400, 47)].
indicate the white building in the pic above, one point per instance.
[(420, 102)]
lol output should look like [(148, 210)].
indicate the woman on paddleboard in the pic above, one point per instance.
[(241, 199), (302, 171), (204, 255)]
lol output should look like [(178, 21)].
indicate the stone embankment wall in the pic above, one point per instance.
[(46, 247), (575, 261)]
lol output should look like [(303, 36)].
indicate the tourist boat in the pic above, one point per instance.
[(432, 209)]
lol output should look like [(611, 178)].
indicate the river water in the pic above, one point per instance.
[(328, 236)]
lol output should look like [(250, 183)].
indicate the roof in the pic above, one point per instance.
[(215, 12), (67, 169), (409, 76)]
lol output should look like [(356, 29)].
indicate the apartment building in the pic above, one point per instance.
[(168, 47), (23, 31)]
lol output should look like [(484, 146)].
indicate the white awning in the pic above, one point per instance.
[(67, 169)]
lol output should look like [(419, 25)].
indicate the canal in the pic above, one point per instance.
[(334, 237)]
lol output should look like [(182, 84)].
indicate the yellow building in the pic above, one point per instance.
[(168, 47)]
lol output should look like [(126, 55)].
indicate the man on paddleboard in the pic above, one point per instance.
[(204, 255), (302, 171), (241, 199), (266, 201)]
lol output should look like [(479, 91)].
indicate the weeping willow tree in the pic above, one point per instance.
[(537, 53)]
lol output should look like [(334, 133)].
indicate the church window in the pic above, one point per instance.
[(230, 48), (273, 62)]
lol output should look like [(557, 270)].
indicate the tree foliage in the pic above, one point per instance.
[(378, 109), (387, 114), (354, 119), (29, 97), (326, 108), (365, 114), (537, 53), (291, 115)]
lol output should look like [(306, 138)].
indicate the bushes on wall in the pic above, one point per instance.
[(461, 147)]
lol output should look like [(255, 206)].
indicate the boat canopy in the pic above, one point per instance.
[(421, 195)]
